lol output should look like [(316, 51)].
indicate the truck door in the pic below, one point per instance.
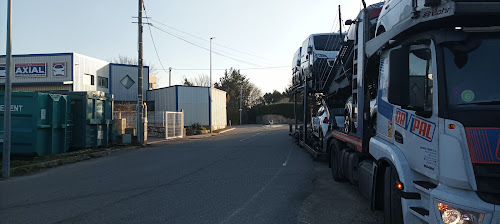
[(415, 125)]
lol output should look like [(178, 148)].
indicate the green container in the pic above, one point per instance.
[(40, 123), (92, 119)]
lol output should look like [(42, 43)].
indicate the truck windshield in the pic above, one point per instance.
[(472, 75), (327, 42)]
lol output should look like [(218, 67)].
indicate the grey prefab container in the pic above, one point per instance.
[(194, 101)]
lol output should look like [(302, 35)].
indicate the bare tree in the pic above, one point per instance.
[(200, 80), (125, 60), (255, 96)]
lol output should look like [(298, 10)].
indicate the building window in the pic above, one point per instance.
[(102, 82), (89, 79), (127, 82)]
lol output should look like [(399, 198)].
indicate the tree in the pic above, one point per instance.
[(125, 60), (239, 89), (273, 97), (187, 82), (200, 80)]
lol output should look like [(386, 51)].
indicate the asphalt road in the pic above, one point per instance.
[(253, 174)]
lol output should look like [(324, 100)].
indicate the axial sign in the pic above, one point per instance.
[(2, 70), (30, 70)]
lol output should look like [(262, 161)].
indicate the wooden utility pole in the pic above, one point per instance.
[(140, 101)]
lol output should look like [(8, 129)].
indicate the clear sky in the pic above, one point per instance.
[(263, 33)]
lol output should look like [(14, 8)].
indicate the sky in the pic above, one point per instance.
[(258, 37)]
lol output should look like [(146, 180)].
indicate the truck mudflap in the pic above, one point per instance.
[(447, 202)]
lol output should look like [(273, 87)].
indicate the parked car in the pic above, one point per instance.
[(296, 72), (321, 122), (396, 11), (318, 54)]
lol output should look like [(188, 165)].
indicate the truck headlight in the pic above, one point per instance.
[(451, 215)]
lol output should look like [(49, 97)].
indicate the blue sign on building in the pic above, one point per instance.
[(30, 70)]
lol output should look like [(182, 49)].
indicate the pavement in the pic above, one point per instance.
[(253, 174)]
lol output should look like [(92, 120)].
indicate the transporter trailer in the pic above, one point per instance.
[(421, 103)]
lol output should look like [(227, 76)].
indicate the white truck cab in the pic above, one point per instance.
[(438, 106), (433, 154)]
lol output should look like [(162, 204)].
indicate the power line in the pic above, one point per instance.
[(204, 39), (152, 39), (197, 45)]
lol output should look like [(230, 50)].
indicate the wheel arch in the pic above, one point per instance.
[(388, 155)]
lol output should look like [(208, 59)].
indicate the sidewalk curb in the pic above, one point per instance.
[(32, 168), (201, 136), (227, 130)]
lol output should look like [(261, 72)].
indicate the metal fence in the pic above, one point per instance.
[(166, 124)]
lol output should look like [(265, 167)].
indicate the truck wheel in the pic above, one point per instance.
[(334, 162), (392, 198)]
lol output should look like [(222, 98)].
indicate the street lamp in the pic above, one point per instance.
[(210, 89)]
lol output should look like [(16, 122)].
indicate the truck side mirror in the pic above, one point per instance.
[(399, 77), (348, 22), (309, 50)]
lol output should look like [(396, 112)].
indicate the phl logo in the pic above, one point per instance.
[(422, 128)]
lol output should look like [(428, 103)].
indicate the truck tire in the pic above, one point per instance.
[(392, 198), (335, 162)]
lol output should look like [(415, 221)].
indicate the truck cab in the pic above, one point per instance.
[(438, 105)]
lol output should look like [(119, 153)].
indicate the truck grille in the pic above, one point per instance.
[(488, 182)]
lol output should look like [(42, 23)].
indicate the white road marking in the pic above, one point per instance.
[(249, 137), (288, 157)]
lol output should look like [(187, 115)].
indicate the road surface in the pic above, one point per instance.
[(253, 174)]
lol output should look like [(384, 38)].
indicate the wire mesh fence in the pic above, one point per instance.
[(166, 124)]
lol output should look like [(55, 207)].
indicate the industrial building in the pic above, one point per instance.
[(194, 101), (74, 72)]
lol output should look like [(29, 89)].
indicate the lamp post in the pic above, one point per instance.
[(210, 89), (8, 91)]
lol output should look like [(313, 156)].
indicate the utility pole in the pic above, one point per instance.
[(7, 101), (241, 101), (170, 76), (210, 89), (140, 125), (340, 26)]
